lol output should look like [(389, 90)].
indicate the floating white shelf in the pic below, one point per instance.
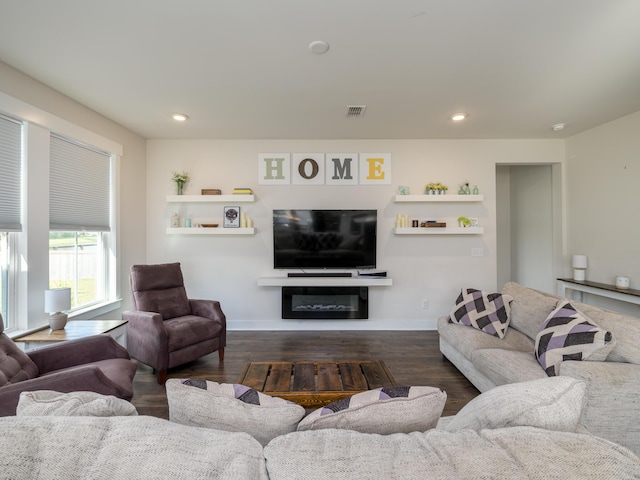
[(437, 198), (324, 282), (229, 199), (211, 231), (439, 231)]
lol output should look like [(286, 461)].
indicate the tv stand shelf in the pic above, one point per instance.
[(280, 281)]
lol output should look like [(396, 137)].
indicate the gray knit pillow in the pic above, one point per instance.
[(40, 403), (383, 411), (231, 407)]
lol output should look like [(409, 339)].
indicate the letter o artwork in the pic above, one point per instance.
[(302, 170)]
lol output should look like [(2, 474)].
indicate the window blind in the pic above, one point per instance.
[(79, 187), (11, 174)]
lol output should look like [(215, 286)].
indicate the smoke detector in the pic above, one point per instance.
[(355, 111), (319, 47)]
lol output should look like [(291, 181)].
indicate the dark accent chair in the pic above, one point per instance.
[(96, 364), (166, 329)]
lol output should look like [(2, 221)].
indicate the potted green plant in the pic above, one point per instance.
[(180, 178), (464, 221)]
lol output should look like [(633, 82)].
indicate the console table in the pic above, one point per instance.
[(75, 329), (628, 295)]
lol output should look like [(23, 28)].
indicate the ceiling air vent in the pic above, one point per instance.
[(355, 111)]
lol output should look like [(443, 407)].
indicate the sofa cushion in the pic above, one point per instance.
[(488, 312), (382, 411), (74, 404), (569, 335), (467, 340), (132, 448), (507, 366), (231, 407), (169, 303), (190, 330), (550, 403), (529, 308), (506, 453)]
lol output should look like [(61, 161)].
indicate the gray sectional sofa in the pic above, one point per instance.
[(518, 431), (612, 403)]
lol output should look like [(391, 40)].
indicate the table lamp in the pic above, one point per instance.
[(579, 264), (55, 301)]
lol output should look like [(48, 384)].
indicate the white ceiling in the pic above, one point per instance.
[(242, 69)]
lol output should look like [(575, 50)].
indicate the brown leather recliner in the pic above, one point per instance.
[(96, 364), (166, 329)]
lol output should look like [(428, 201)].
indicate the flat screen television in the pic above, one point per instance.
[(324, 239)]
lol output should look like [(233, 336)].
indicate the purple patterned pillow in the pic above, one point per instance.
[(235, 390), (569, 335), (488, 312)]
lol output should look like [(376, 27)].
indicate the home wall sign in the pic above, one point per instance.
[(324, 169)]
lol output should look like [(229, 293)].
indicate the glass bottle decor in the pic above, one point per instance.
[(475, 190)]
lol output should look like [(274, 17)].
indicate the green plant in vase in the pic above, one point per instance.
[(464, 221), (180, 178)]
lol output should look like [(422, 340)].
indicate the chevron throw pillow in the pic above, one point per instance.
[(488, 312), (567, 334)]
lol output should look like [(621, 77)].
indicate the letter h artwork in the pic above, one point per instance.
[(324, 169)]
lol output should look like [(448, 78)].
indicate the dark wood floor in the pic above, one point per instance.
[(412, 357)]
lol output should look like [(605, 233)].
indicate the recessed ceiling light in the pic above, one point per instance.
[(180, 117), (319, 47), (458, 117), (558, 126)]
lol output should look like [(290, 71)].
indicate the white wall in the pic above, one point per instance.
[(603, 203), (422, 267), (131, 182)]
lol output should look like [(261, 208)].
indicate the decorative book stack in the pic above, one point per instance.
[(242, 191)]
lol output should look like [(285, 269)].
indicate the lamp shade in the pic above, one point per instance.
[(57, 300), (579, 261)]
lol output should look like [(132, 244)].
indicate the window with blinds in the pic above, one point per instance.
[(79, 220), (11, 176), (79, 187)]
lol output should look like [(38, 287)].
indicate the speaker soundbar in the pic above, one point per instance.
[(319, 274)]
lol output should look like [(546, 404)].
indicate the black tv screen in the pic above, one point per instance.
[(324, 238)]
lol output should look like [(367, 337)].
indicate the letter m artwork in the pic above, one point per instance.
[(341, 169)]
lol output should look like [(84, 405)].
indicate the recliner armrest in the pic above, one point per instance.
[(208, 309), (81, 378), (77, 352)]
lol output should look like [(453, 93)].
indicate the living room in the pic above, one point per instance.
[(592, 173), (546, 194)]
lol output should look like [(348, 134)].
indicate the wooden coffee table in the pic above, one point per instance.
[(314, 384)]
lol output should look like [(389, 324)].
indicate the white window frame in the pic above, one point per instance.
[(32, 267)]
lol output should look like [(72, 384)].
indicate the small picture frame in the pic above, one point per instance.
[(231, 217)]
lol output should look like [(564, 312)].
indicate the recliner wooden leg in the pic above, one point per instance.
[(221, 354), (162, 377)]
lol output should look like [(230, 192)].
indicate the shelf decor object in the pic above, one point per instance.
[(231, 217), (435, 188), (180, 178), (579, 263), (55, 301)]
